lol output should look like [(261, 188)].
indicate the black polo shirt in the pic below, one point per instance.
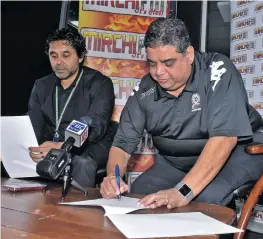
[(213, 103)]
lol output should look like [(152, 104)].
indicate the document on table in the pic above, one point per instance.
[(111, 206), (169, 225), (17, 135)]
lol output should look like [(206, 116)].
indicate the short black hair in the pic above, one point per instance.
[(74, 38), (168, 31)]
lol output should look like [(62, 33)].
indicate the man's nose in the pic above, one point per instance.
[(160, 69), (58, 61)]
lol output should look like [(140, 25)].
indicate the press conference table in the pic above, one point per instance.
[(36, 215)]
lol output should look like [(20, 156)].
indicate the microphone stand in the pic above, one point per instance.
[(67, 178)]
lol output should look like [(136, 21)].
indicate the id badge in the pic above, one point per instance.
[(56, 137)]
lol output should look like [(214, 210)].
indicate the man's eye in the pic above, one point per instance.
[(53, 56), (152, 64), (66, 55), (169, 63)]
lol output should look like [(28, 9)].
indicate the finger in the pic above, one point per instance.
[(38, 149), (124, 187), (108, 189), (148, 200), (46, 144), (104, 192), (36, 157), (114, 186), (158, 203)]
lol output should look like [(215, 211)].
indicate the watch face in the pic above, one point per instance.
[(184, 190)]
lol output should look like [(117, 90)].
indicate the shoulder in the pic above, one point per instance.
[(46, 80), (146, 84), (214, 60), (89, 73), (95, 78)]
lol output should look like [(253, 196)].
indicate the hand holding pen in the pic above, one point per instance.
[(113, 185)]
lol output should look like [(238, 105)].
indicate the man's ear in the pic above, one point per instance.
[(190, 54)]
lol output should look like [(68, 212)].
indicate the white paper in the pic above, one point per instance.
[(111, 206), (169, 225), (17, 135)]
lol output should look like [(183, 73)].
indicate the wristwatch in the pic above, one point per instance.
[(185, 191)]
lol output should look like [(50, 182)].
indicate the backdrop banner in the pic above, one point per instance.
[(246, 49)]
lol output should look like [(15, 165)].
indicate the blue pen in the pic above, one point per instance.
[(118, 180)]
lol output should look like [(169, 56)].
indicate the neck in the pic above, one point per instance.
[(67, 82), (176, 92)]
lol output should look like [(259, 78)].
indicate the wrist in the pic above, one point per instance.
[(185, 191)]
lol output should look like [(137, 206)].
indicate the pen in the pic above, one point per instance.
[(117, 174)]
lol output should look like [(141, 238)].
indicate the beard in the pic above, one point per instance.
[(64, 74)]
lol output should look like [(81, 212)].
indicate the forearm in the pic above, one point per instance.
[(209, 163), (120, 157)]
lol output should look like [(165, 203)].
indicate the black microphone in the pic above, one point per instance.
[(55, 162)]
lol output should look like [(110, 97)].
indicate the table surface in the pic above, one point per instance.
[(36, 215)]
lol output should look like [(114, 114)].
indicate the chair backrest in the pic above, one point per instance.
[(253, 196)]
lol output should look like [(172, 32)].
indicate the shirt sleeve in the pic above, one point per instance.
[(102, 103), (227, 103), (35, 113), (131, 126)]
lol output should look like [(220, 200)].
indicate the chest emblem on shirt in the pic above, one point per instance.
[(216, 73), (196, 101)]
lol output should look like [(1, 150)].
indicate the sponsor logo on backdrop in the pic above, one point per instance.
[(258, 105), (246, 69), (154, 8), (111, 44), (123, 88), (261, 93), (240, 13), (258, 56), (239, 59), (239, 36), (250, 94), (245, 46), (259, 7), (246, 23), (243, 2), (258, 80), (258, 31)]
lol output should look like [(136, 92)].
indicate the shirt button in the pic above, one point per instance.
[(178, 113)]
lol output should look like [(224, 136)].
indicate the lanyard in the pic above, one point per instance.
[(58, 119)]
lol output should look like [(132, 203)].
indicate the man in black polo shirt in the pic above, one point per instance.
[(196, 108), (71, 92)]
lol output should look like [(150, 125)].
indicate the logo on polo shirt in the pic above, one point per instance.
[(196, 102), (216, 73), (148, 92)]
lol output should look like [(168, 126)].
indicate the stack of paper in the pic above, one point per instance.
[(156, 225), (17, 135)]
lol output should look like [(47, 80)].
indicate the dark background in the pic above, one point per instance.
[(26, 25), (24, 29)]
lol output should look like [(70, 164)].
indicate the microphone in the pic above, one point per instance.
[(79, 130), (55, 162)]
